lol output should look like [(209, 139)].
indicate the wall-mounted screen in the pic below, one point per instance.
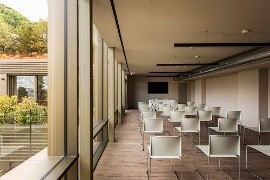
[(157, 87)]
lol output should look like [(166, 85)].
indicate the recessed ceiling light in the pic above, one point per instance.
[(190, 48), (197, 56), (171, 62)]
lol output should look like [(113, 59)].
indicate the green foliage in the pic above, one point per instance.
[(21, 93), (22, 113), (12, 17), (21, 37)]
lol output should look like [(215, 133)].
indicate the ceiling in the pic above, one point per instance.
[(149, 29)]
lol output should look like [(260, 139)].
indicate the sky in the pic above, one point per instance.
[(32, 9)]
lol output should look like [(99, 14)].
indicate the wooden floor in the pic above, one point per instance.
[(125, 159)]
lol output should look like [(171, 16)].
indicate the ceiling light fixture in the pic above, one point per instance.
[(196, 64), (222, 44)]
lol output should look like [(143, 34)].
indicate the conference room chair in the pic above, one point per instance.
[(164, 147), (190, 104), (166, 112), (205, 116), (176, 117), (220, 146), (189, 125), (263, 127), (226, 125), (265, 149), (201, 107), (215, 113), (235, 114), (173, 105), (160, 106), (190, 111), (181, 107), (154, 125)]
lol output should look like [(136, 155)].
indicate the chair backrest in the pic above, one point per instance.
[(190, 104), (205, 115), (153, 125), (215, 111), (166, 111), (190, 110), (143, 109), (264, 124), (228, 124), (201, 107), (177, 116), (173, 104), (141, 104), (160, 106), (165, 146), (181, 107), (149, 114), (224, 145), (233, 114), (190, 124)]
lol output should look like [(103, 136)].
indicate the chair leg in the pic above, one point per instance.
[(208, 163), (143, 141)]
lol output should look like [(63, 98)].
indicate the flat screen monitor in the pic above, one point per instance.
[(157, 87)]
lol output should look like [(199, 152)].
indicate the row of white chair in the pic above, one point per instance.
[(169, 147)]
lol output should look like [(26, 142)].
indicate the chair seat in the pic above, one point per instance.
[(222, 131), (174, 121), (262, 148), (153, 131), (204, 120), (205, 150), (184, 131)]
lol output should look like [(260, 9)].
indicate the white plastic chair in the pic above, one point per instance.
[(265, 149), (190, 111), (160, 106), (190, 104), (235, 114), (173, 105), (220, 147), (226, 125), (201, 107), (152, 126), (205, 116), (215, 112), (263, 127), (164, 147), (166, 111), (176, 117), (181, 107), (189, 125)]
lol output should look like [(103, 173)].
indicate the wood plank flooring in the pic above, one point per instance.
[(124, 159)]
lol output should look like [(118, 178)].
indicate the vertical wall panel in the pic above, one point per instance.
[(248, 97), (222, 94)]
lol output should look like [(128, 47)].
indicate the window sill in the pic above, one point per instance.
[(34, 168)]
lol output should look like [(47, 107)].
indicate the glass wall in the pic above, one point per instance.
[(100, 135)]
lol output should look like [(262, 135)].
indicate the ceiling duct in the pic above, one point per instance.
[(251, 57)]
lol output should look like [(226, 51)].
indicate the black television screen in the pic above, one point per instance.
[(157, 87)]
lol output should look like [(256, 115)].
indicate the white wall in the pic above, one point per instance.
[(248, 97), (222, 92), (192, 91), (3, 84), (200, 91), (138, 90)]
